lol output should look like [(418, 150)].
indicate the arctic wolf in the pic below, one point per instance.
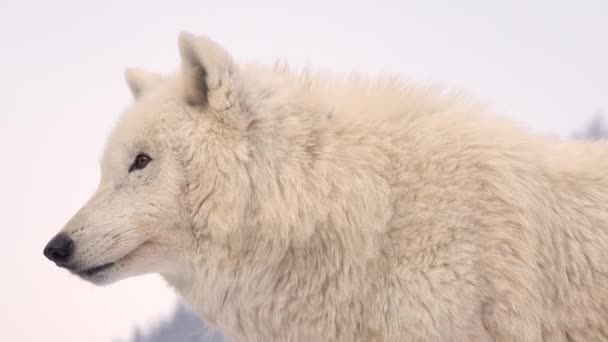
[(300, 206)]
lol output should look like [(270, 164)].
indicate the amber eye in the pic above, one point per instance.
[(140, 162)]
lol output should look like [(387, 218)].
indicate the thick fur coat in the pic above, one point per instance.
[(302, 206)]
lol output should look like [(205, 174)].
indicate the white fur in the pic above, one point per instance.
[(311, 207)]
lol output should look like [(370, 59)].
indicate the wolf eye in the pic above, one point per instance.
[(140, 162)]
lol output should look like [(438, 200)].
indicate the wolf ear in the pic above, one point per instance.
[(140, 80), (207, 71)]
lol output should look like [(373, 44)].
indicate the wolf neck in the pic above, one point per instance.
[(312, 228)]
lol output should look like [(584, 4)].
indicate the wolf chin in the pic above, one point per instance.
[(305, 206)]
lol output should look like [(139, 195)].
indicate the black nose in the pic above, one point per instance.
[(59, 249)]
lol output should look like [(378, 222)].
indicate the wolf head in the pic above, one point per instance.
[(174, 171)]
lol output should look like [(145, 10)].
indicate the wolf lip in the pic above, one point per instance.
[(94, 270)]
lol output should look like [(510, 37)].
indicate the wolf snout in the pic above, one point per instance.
[(59, 249)]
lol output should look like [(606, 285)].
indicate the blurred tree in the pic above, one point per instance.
[(183, 326), (595, 130)]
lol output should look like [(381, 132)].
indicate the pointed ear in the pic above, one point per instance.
[(207, 71), (139, 80)]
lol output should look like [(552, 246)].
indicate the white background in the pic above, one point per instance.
[(544, 63)]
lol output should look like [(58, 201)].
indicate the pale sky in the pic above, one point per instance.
[(543, 63)]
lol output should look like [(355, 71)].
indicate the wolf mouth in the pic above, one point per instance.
[(97, 269), (90, 272)]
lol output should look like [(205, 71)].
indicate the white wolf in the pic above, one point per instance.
[(291, 206)]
